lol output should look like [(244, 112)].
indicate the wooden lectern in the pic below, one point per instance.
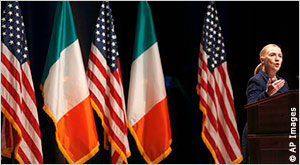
[(270, 132)]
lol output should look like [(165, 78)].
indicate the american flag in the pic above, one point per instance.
[(105, 85), (219, 130), (18, 102)]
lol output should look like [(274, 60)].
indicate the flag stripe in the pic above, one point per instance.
[(28, 86), (228, 109), (209, 114), (223, 137), (230, 119), (12, 91), (225, 111), (59, 93), (12, 81), (220, 122), (222, 88), (215, 147), (114, 157), (76, 131), (100, 87), (30, 105), (148, 87), (12, 69), (98, 102), (228, 123), (219, 129), (226, 143), (224, 78), (210, 99), (225, 70), (27, 112), (23, 156), (211, 91), (118, 79), (114, 93), (98, 63), (145, 33), (64, 38), (31, 119), (116, 113), (8, 59), (111, 129), (218, 140), (31, 145), (148, 130), (111, 81), (107, 114), (25, 148), (115, 138), (27, 138)]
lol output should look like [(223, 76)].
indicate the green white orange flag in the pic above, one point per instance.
[(65, 91), (148, 114)]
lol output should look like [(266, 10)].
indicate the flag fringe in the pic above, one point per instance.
[(6, 152), (18, 130), (105, 140), (206, 142), (123, 155), (238, 160), (142, 151)]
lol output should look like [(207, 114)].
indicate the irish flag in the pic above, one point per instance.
[(65, 91), (148, 114)]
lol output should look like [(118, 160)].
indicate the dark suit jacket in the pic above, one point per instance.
[(256, 88)]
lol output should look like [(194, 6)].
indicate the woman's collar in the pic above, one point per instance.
[(266, 76)]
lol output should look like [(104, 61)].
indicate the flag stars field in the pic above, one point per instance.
[(14, 30)]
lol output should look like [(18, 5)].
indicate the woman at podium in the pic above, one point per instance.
[(265, 82)]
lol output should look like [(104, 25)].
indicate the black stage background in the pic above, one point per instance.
[(247, 27)]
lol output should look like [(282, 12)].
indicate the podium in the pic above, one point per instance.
[(272, 129)]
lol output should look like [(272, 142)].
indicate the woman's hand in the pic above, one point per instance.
[(274, 87)]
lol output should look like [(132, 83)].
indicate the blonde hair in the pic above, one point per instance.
[(263, 53)]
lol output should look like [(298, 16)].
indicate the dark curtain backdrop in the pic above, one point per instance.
[(247, 27)]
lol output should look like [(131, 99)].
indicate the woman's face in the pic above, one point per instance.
[(272, 59)]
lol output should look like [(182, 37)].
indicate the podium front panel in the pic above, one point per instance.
[(271, 149), (273, 115)]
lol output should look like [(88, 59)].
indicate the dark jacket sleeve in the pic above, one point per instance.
[(255, 90)]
